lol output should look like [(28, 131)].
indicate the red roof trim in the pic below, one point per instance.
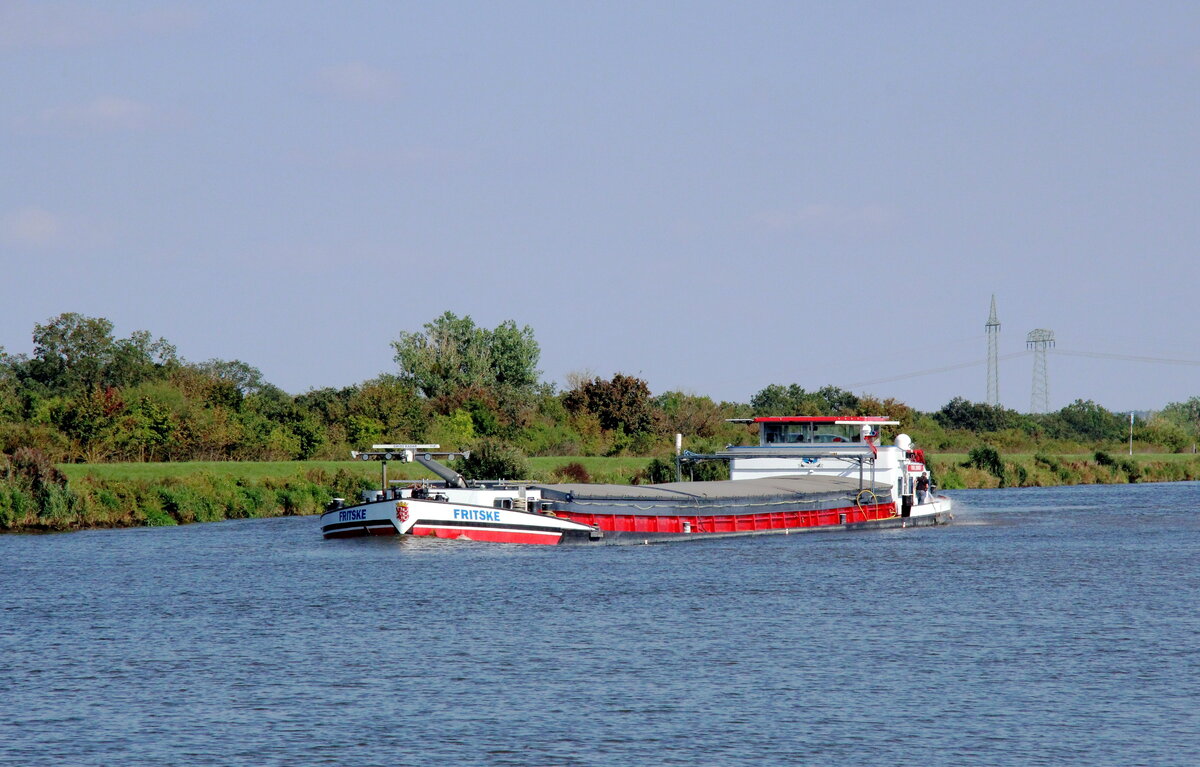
[(820, 418)]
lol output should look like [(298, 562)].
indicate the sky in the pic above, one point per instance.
[(712, 196)]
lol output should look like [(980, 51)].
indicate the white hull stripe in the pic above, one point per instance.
[(456, 523), (490, 528)]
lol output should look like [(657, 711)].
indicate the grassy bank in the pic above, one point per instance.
[(81, 496), (89, 501), (959, 471)]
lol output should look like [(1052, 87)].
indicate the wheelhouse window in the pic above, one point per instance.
[(777, 433)]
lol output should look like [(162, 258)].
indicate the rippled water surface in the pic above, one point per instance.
[(1046, 626)]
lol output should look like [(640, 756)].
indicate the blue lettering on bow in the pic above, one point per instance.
[(477, 515)]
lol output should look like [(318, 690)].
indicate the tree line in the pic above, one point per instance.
[(85, 395)]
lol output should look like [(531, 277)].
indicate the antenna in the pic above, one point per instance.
[(1039, 341), (993, 335)]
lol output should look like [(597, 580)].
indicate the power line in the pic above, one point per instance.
[(1014, 355), (933, 371), (907, 352), (1126, 357)]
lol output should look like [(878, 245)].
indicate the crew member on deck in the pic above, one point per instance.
[(923, 488)]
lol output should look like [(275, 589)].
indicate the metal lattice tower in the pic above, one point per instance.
[(1039, 341), (993, 335)]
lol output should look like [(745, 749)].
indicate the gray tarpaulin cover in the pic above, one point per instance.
[(752, 490)]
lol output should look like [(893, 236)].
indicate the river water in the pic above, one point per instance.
[(1052, 626)]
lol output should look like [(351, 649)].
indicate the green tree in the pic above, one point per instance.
[(139, 358), (282, 444), (621, 402), (1085, 420), (452, 354), (777, 399), (71, 352), (89, 419), (363, 430), (145, 430), (836, 401), (394, 404), (513, 356), (792, 399), (1185, 414), (245, 378), (10, 393), (328, 405), (960, 413), (483, 417), (689, 414), (453, 431), (1162, 431)]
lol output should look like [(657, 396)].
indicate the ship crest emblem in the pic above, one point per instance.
[(401, 511)]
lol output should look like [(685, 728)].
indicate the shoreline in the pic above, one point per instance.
[(988, 469), (96, 497)]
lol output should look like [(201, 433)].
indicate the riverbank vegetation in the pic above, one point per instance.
[(97, 430), (36, 495)]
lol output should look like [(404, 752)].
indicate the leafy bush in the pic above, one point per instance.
[(291, 500), (346, 484), (951, 480), (1019, 472), (188, 504), (16, 506), (551, 437), (1126, 466), (660, 470), (492, 459), (574, 472), (706, 471), (988, 459), (1062, 473), (34, 469), (1049, 461), (1133, 472), (250, 502), (156, 517)]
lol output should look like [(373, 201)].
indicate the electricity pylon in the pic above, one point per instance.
[(992, 328), (1039, 341)]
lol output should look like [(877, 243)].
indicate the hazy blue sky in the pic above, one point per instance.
[(713, 196)]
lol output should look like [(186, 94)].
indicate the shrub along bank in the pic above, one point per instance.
[(36, 496)]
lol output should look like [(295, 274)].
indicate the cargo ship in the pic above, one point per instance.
[(807, 474)]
